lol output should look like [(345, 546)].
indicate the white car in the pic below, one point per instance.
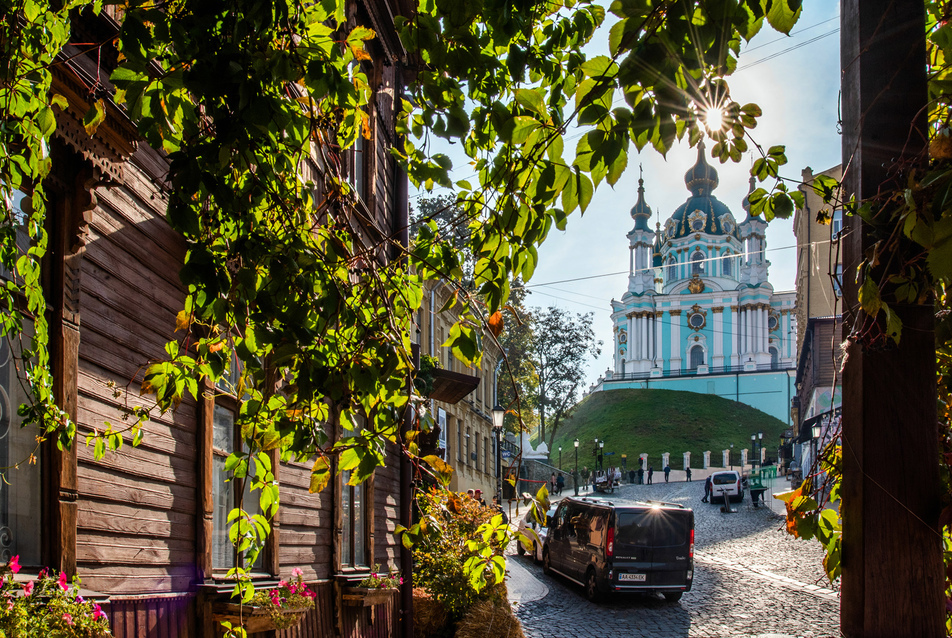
[(535, 532), (727, 482)]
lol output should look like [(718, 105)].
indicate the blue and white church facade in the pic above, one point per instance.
[(700, 313)]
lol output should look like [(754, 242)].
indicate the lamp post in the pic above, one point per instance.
[(816, 441), (575, 479), (499, 414), (560, 458), (731, 455), (760, 449), (753, 444), (601, 456)]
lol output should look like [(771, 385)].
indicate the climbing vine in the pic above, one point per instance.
[(296, 301)]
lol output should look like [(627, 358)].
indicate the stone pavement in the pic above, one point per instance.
[(751, 579)]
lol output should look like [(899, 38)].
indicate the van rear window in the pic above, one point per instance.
[(652, 528), (725, 479)]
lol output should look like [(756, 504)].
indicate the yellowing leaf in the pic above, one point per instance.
[(183, 320), (95, 116), (496, 323)]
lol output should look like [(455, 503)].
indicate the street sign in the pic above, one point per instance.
[(506, 454), (608, 453)]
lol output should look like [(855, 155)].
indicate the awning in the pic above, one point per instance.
[(451, 387)]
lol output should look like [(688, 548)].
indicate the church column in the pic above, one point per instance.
[(675, 317), (639, 329), (764, 332), (631, 261), (787, 333), (735, 343), (718, 337), (748, 328), (646, 338), (659, 325), (631, 339)]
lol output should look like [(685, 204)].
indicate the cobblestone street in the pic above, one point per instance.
[(751, 579)]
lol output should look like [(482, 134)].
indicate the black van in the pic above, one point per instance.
[(645, 547)]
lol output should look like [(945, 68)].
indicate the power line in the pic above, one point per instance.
[(787, 50)]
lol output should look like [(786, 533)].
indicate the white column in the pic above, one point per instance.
[(631, 260), (637, 342), (787, 334), (659, 331), (746, 314), (631, 341), (645, 337), (735, 331), (763, 330), (718, 359), (675, 341)]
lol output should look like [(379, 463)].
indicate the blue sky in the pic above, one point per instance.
[(795, 80)]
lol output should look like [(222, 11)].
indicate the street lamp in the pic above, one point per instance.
[(816, 441), (560, 458), (731, 454), (753, 444), (760, 449), (499, 414), (601, 456), (575, 479)]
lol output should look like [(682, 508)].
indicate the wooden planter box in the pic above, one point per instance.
[(366, 596), (253, 619)]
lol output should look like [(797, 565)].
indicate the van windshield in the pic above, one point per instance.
[(652, 528)]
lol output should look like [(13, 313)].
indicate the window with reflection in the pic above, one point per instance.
[(354, 552)]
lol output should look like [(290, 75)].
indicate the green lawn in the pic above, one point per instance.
[(636, 422)]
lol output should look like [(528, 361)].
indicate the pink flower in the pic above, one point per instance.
[(275, 598), (62, 581), (42, 572), (14, 564), (98, 612), (282, 583), (401, 580), (297, 573), (69, 619), (28, 588)]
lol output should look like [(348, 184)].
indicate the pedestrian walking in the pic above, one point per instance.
[(667, 472), (687, 472), (641, 476), (631, 476), (708, 486), (559, 484), (650, 473), (552, 483)]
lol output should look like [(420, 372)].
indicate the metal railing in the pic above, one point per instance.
[(692, 372)]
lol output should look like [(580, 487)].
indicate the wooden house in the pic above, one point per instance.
[(144, 527)]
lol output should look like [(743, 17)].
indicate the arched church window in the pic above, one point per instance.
[(697, 263), (727, 267), (697, 357), (672, 269), (774, 358)]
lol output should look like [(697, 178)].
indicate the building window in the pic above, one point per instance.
[(697, 357), (838, 281), (354, 523), (774, 359), (726, 267), (697, 263), (226, 439), (486, 454), (20, 528), (672, 269), (459, 439), (836, 223)]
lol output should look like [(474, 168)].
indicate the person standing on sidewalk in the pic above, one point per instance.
[(650, 473), (667, 472), (708, 486), (559, 483), (687, 473), (631, 476)]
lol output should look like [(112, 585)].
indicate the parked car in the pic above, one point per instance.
[(726, 482), (646, 547), (535, 531)]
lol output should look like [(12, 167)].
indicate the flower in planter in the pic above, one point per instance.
[(48, 606), (293, 595), (378, 581)]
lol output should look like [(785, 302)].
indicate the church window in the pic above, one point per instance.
[(697, 357), (672, 269), (697, 263), (773, 322), (696, 320), (727, 265), (697, 224), (774, 359)]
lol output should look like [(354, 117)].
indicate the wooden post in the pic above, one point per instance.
[(892, 562)]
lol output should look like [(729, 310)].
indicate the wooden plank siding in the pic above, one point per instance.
[(136, 525)]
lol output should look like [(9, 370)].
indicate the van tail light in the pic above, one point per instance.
[(691, 549), (611, 541)]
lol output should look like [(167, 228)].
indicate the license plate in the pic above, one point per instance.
[(638, 577)]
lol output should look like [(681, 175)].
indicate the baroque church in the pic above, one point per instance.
[(700, 313)]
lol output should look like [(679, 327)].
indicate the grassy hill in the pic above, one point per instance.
[(650, 422)]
